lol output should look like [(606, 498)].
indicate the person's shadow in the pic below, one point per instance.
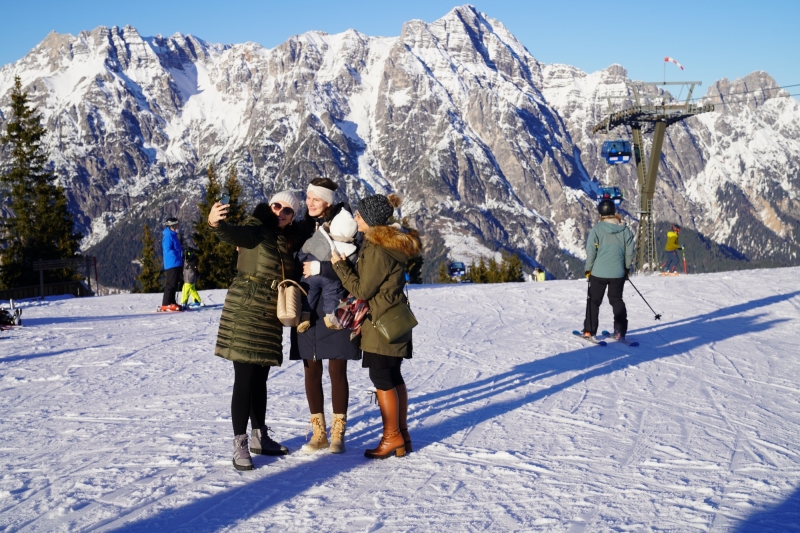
[(216, 512)]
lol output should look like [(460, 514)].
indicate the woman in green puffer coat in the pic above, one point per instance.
[(379, 277), (250, 334)]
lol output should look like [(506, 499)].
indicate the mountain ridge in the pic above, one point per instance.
[(490, 148)]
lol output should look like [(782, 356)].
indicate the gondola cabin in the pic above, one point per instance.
[(616, 152), (612, 193), (457, 270)]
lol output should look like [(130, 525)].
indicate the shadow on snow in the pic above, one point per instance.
[(660, 341)]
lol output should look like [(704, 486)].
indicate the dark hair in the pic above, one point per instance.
[(325, 182)]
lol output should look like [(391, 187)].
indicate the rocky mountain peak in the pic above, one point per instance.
[(491, 149)]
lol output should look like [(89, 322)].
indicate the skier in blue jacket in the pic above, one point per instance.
[(609, 255), (173, 264)]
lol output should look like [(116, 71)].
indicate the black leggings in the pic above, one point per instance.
[(386, 378), (340, 389), (249, 399)]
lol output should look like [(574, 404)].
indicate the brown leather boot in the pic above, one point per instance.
[(402, 421), (391, 442)]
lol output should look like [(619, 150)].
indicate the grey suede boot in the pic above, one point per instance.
[(262, 444), (319, 439), (241, 456)]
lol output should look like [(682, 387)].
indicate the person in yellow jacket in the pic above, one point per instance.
[(671, 250), (539, 274)]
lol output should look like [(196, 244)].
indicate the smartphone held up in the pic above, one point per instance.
[(225, 199)]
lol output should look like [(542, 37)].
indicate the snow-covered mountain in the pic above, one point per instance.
[(490, 148)]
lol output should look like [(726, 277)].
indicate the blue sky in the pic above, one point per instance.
[(713, 39)]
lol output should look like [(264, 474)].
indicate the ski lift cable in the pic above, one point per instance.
[(745, 92)]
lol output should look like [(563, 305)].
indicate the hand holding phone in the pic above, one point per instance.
[(225, 199)]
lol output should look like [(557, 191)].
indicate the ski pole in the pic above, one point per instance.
[(658, 317), (684, 260)]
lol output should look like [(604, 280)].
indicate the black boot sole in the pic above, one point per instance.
[(242, 468), (259, 451)]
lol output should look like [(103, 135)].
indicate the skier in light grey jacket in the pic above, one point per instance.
[(609, 255)]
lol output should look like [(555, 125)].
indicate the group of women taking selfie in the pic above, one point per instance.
[(271, 245)]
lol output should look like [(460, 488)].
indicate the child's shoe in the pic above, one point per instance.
[(331, 322), (305, 322)]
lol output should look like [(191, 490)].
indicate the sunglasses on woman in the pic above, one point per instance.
[(281, 210)]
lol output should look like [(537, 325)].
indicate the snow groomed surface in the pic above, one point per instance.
[(115, 418)]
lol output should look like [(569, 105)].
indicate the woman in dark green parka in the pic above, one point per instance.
[(250, 334)]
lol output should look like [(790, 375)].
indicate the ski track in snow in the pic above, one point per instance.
[(116, 418)]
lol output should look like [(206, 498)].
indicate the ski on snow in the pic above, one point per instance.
[(623, 340), (591, 340)]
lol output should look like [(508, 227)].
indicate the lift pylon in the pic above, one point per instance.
[(645, 115)]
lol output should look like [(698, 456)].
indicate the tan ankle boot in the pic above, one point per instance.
[(402, 421), (337, 433), (391, 442), (319, 438)]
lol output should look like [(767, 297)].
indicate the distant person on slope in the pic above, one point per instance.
[(609, 254), (250, 334), (539, 274), (173, 264), (671, 250), (190, 275), (379, 278)]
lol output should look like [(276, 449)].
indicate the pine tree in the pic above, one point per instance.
[(149, 279), (493, 272), (217, 260), (512, 268), (41, 227), (414, 269), (478, 273), (444, 274)]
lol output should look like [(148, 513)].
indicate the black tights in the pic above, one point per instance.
[(340, 390), (386, 378), (249, 399)]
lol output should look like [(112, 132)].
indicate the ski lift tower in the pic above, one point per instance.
[(644, 115)]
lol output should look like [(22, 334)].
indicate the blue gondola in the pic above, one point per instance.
[(616, 152), (457, 270), (611, 193)]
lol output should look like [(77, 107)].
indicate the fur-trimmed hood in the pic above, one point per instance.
[(396, 240)]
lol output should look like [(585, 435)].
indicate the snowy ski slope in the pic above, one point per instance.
[(115, 418)]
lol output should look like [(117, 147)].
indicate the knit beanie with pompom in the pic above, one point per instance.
[(376, 210)]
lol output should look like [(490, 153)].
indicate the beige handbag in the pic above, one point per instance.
[(290, 301)]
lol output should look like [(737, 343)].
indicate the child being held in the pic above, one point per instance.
[(341, 233)]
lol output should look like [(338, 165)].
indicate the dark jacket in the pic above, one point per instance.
[(609, 248), (319, 342), (249, 331), (171, 248), (379, 278), (190, 272)]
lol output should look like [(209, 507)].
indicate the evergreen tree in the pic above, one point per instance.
[(512, 268), (41, 227), (477, 273), (149, 279), (414, 269), (217, 260), (494, 273), (444, 274)]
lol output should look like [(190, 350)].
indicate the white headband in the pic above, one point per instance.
[(324, 194)]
